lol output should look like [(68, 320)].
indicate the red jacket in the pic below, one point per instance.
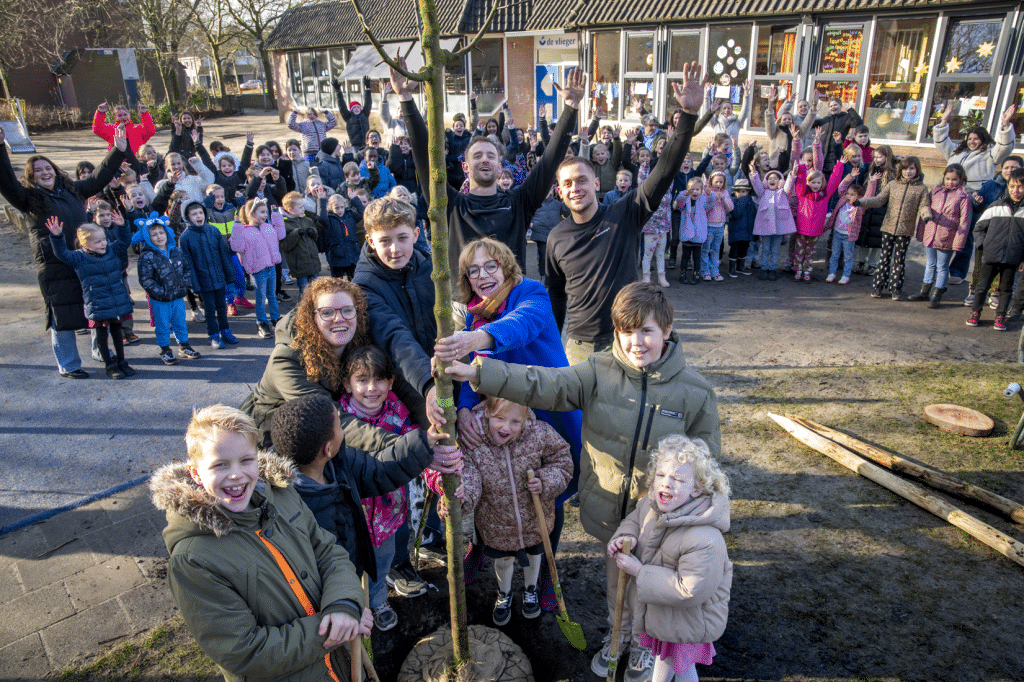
[(138, 133)]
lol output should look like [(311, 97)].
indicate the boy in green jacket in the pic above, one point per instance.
[(632, 396), (266, 592)]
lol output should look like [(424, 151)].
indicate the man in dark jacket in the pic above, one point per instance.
[(355, 115), (837, 121), (210, 261)]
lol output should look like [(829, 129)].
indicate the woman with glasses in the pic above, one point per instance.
[(510, 319), (313, 342)]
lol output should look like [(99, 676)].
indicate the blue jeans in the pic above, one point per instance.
[(266, 294), (711, 251), (962, 259), (385, 555), (936, 268), (841, 242), (770, 251), (65, 349), (303, 282), (168, 316)]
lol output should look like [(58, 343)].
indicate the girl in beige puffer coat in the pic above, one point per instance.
[(683, 576)]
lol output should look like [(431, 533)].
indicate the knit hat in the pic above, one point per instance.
[(220, 155), (742, 184), (353, 105), (328, 145)]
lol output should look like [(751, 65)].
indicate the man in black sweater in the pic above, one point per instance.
[(487, 211), (592, 254)]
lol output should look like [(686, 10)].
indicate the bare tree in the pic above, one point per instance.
[(256, 19), (31, 32), (215, 24)]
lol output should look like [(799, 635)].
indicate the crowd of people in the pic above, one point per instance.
[(327, 463)]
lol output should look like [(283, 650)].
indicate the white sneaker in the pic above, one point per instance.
[(844, 280), (197, 316), (641, 665), (831, 277)]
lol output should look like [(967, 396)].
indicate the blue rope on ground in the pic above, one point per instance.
[(42, 516)]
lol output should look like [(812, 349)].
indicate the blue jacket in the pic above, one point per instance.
[(340, 235), (387, 180), (401, 313), (741, 219), (206, 253), (526, 334), (991, 192), (102, 277), (331, 170), (163, 273)]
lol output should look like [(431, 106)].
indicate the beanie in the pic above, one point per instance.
[(328, 145)]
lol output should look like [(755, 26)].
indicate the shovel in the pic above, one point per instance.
[(620, 597), (428, 499), (572, 631)]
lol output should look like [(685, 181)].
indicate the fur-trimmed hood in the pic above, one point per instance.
[(174, 491)]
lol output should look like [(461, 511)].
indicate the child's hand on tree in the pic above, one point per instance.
[(460, 371), (55, 226), (340, 628), (535, 485)]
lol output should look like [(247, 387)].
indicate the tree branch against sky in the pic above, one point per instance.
[(256, 19), (30, 32)]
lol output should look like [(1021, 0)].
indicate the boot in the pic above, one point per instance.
[(773, 275), (924, 295), (646, 277), (936, 297), (661, 280), (684, 276), (763, 276), (732, 268)]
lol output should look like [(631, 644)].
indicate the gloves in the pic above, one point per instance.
[(366, 82), (336, 84)]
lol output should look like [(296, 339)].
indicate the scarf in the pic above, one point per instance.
[(484, 310)]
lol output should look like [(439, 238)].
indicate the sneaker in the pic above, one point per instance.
[(114, 371), (969, 301), (718, 278), (502, 612), (126, 369), (797, 275), (773, 275), (993, 301), (96, 357), (264, 331), (1000, 324), (167, 356), (242, 302), (228, 336), (232, 310), (287, 279), (641, 665), (384, 617), (599, 663), (844, 280), (77, 374), (973, 320), (531, 602), (831, 277), (283, 296), (952, 281), (406, 583), (707, 277), (131, 337), (188, 352), (197, 316), (216, 341), (427, 553), (807, 276)]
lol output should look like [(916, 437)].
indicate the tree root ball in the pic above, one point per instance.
[(493, 657)]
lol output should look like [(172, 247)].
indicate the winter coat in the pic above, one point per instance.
[(331, 169), (981, 164), (299, 246), (193, 185), (312, 132), (384, 184), (813, 206), (235, 182), (681, 593), (402, 168), (779, 140), (951, 220), (58, 283), (1000, 233), (546, 218), (340, 235), (229, 588), (258, 245), (858, 215), (285, 378), (102, 277), (495, 482), (138, 133), (693, 219), (872, 218), (356, 125), (606, 173), (224, 218), (206, 253), (907, 201), (626, 412), (741, 219), (774, 211), (402, 320), (163, 273), (353, 474), (717, 207), (183, 143), (840, 123)]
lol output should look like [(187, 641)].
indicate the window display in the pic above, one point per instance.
[(898, 73)]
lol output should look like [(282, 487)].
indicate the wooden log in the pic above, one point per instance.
[(936, 479), (960, 420), (992, 537)]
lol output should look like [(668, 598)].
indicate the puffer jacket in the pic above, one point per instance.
[(981, 164), (299, 246), (230, 590), (813, 206), (258, 245), (495, 482), (774, 210), (402, 318), (682, 591), (951, 220), (206, 252), (102, 277), (858, 215), (331, 169), (907, 202), (312, 132), (340, 234), (1000, 233), (741, 219), (626, 411), (163, 273), (546, 218)]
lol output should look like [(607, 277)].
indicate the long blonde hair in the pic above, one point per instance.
[(318, 358)]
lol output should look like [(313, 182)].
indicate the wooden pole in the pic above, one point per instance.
[(936, 479), (620, 598), (992, 537)]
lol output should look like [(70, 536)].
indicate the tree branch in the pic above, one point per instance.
[(483, 29), (417, 76)]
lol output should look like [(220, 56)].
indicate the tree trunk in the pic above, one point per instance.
[(5, 82), (219, 72), (268, 74)]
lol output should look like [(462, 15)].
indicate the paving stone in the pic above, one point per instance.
[(154, 568), (24, 660), (33, 612), (81, 634), (55, 566), (125, 504), (135, 536), (75, 523), (10, 584), (24, 543), (97, 584), (148, 606)]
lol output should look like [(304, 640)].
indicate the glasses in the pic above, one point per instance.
[(490, 267), (347, 312)]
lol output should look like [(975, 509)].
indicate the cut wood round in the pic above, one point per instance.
[(960, 420), (494, 657)]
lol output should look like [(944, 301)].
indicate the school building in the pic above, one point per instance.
[(898, 62)]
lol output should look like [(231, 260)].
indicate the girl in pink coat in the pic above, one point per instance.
[(774, 220), (812, 196), (255, 239), (945, 234)]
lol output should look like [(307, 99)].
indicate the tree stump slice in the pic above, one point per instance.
[(494, 657), (959, 420)]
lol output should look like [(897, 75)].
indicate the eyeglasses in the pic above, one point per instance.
[(347, 312), (490, 267)]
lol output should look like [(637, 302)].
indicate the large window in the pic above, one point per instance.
[(604, 70), (684, 47), (488, 74), (967, 73), (899, 71), (728, 63), (310, 75), (774, 64), (639, 81), (839, 65)]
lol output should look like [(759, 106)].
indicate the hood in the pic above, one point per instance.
[(185, 206), (220, 155), (707, 510), (663, 370), (916, 180), (283, 332), (174, 491), (142, 226), (528, 425)]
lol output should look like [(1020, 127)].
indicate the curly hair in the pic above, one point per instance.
[(302, 426), (318, 358), (680, 449)]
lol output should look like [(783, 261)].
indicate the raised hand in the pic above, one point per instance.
[(336, 84), (400, 83), (142, 108), (387, 87), (542, 111), (175, 176), (716, 105), (773, 94), (616, 131), (690, 94), (195, 136), (120, 138), (1007, 115), (877, 177), (837, 136), (600, 112), (116, 217), (947, 112), (177, 125), (55, 226), (198, 122), (193, 160), (472, 95), (575, 88), (366, 82), (102, 107), (817, 134), (250, 138)]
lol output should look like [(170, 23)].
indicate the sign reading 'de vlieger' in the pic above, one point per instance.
[(556, 41)]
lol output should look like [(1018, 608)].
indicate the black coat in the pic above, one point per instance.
[(835, 123), (341, 244), (101, 275), (402, 167), (165, 275), (61, 289), (1000, 233)]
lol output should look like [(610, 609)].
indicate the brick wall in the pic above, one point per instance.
[(519, 78)]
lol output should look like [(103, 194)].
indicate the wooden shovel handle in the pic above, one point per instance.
[(620, 598), (542, 527)]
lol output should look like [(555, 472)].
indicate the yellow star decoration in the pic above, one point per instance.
[(953, 64), (921, 69), (986, 49), (876, 89)]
